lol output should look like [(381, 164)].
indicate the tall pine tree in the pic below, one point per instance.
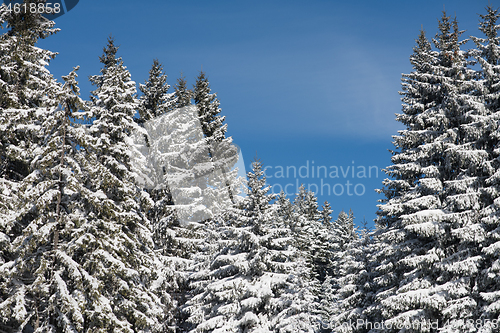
[(484, 128), (182, 93), (430, 222), (155, 99), (254, 282)]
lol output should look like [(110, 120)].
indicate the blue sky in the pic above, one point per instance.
[(301, 83)]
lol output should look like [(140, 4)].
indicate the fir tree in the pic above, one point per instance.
[(113, 105), (178, 161), (484, 126), (430, 222), (108, 59), (345, 230), (208, 109), (348, 289), (311, 236), (221, 151), (326, 213), (155, 99), (80, 263), (182, 93), (25, 82), (248, 285)]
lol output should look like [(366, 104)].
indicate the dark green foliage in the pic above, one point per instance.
[(155, 99), (182, 93), (208, 109)]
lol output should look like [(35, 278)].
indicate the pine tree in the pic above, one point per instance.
[(345, 230), (208, 109), (222, 152), (155, 99), (182, 93), (80, 263), (108, 60), (485, 129), (178, 160), (338, 261), (311, 236), (326, 213), (429, 223), (25, 82), (248, 285), (27, 91), (113, 105), (348, 288)]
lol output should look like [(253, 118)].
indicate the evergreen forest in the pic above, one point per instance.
[(124, 213)]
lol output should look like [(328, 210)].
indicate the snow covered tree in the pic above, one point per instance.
[(182, 93), (208, 109), (430, 222), (485, 130), (340, 263), (81, 263), (176, 163), (326, 213), (248, 285), (347, 291), (25, 82), (108, 59), (344, 228), (155, 99), (113, 105), (178, 158), (310, 234), (222, 152), (26, 90)]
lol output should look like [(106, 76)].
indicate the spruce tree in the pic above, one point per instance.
[(182, 93), (113, 105), (326, 213), (208, 109), (311, 235), (108, 59), (485, 130), (347, 291), (25, 83), (248, 284), (221, 151), (429, 223), (155, 99), (80, 263)]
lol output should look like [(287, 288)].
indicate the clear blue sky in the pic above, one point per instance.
[(298, 81)]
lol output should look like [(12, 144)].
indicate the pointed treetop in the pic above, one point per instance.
[(326, 213), (109, 56), (70, 92), (208, 109), (182, 93), (488, 26), (155, 99)]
